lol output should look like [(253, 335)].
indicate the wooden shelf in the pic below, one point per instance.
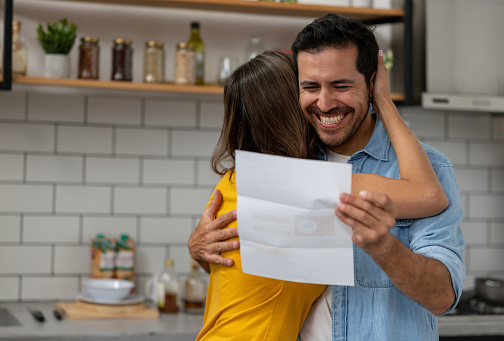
[(208, 89), (368, 15)]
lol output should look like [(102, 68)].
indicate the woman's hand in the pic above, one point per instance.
[(381, 88)]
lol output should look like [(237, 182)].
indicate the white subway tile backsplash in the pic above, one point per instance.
[(206, 175), (486, 206), (170, 113), (181, 258), (487, 259), (194, 143), (212, 114), (26, 137), (469, 126), (424, 124), (24, 259), (498, 128), (472, 179), (165, 230), (150, 259), (85, 140), (112, 170), (80, 199), (26, 198), (497, 233), (486, 154), (189, 200), (56, 108), (168, 172), (54, 168), (72, 260), (140, 200), (114, 110), (141, 142), (497, 183), (111, 227), (455, 151), (50, 229), (10, 288), (10, 229), (13, 105), (11, 167), (474, 232), (49, 288)]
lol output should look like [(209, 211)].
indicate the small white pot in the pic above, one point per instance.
[(57, 66)]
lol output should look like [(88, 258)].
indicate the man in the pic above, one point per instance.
[(405, 274)]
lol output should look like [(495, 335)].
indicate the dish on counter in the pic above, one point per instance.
[(107, 288), (131, 299)]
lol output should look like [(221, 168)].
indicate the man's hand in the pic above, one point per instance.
[(371, 215), (208, 240)]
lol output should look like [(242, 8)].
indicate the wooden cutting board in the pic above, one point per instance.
[(84, 310)]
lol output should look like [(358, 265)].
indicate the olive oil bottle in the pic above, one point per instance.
[(199, 50)]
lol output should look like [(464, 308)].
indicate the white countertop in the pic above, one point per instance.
[(168, 327), (178, 327)]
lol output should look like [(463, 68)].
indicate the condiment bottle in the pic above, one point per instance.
[(154, 62), (89, 58), (195, 292), (185, 65), (168, 289), (199, 51), (19, 51), (122, 59)]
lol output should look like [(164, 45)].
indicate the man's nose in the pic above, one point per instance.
[(325, 101)]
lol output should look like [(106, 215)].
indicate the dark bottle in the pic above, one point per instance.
[(199, 51), (168, 289), (89, 58), (122, 59)]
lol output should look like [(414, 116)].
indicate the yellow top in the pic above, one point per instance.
[(246, 307)]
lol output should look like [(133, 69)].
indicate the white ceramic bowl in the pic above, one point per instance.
[(108, 289)]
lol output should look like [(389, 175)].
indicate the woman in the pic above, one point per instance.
[(262, 115)]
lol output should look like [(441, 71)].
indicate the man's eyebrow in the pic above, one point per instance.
[(306, 83)]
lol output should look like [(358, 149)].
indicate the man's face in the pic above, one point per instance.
[(335, 98)]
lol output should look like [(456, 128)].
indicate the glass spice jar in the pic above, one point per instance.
[(185, 64), (89, 58), (122, 58), (19, 51), (154, 62)]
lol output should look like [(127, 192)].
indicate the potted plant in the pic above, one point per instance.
[(57, 41)]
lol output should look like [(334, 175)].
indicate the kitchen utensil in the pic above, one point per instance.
[(38, 315), (490, 289), (108, 289)]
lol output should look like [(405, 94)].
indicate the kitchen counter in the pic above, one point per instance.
[(177, 327), (169, 327)]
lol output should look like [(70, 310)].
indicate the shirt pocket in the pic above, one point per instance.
[(367, 272)]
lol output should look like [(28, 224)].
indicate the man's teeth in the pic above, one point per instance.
[(331, 119)]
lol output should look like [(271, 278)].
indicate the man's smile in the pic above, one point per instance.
[(328, 120)]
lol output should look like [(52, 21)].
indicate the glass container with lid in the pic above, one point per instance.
[(89, 58), (154, 62), (185, 64), (122, 59)]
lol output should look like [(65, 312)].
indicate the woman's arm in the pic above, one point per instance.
[(418, 192)]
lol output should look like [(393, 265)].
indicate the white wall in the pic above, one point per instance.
[(77, 162)]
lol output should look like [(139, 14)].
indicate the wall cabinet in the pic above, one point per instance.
[(226, 7)]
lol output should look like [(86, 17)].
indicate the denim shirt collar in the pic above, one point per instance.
[(378, 146)]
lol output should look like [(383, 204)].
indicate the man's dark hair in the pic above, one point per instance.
[(334, 31)]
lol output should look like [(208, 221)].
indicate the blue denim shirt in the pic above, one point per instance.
[(374, 309)]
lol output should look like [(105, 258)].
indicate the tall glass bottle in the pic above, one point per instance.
[(168, 289), (199, 50), (19, 51), (255, 46), (195, 292)]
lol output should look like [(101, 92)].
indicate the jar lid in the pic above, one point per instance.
[(154, 43), (90, 39), (185, 46), (122, 41)]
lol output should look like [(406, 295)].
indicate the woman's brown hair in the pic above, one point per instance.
[(262, 112)]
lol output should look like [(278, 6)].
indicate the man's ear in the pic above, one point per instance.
[(371, 86)]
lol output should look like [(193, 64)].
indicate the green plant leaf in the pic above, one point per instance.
[(59, 37)]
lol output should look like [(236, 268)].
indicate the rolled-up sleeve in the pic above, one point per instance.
[(440, 237)]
